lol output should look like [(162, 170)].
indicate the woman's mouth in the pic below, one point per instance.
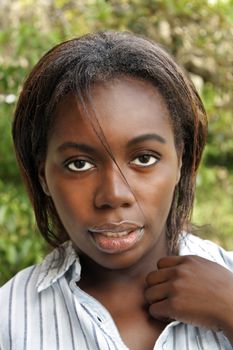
[(116, 237)]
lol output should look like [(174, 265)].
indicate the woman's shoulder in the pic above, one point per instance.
[(194, 245), (29, 282), (13, 296), (16, 286)]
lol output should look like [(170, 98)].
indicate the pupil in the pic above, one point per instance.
[(79, 164), (144, 159)]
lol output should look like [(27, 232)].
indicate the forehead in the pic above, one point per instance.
[(123, 107)]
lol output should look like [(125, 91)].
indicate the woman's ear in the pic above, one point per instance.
[(42, 179), (179, 169)]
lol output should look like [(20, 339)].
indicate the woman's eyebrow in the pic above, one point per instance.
[(75, 146), (87, 148), (146, 137)]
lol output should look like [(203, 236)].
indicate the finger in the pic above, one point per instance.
[(160, 310), (156, 293), (169, 261), (159, 276)]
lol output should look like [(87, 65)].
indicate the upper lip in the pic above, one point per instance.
[(115, 227)]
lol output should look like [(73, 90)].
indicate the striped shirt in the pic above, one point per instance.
[(42, 308)]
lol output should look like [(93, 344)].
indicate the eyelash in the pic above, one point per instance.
[(87, 165), (146, 157), (71, 163)]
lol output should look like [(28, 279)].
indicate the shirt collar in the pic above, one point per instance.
[(56, 264), (61, 259)]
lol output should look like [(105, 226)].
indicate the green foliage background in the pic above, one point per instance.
[(198, 33)]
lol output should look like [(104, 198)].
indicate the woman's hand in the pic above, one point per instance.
[(193, 290)]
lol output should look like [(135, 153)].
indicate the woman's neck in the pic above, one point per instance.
[(95, 275)]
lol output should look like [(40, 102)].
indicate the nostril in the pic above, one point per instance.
[(105, 206), (112, 206), (113, 200)]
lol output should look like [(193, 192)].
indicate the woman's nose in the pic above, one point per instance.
[(113, 191)]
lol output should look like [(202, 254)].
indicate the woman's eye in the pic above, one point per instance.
[(145, 160), (79, 165)]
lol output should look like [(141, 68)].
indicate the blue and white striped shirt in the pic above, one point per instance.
[(42, 308)]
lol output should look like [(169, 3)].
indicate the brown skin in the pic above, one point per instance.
[(87, 189), (126, 109), (123, 296)]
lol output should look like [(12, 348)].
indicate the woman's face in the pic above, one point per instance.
[(114, 212)]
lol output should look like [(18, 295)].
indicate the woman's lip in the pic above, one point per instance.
[(113, 245), (115, 227)]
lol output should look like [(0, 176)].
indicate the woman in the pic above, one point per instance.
[(109, 133)]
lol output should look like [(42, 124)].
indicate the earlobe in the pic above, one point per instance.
[(42, 179)]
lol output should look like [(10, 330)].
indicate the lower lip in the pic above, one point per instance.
[(113, 245)]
